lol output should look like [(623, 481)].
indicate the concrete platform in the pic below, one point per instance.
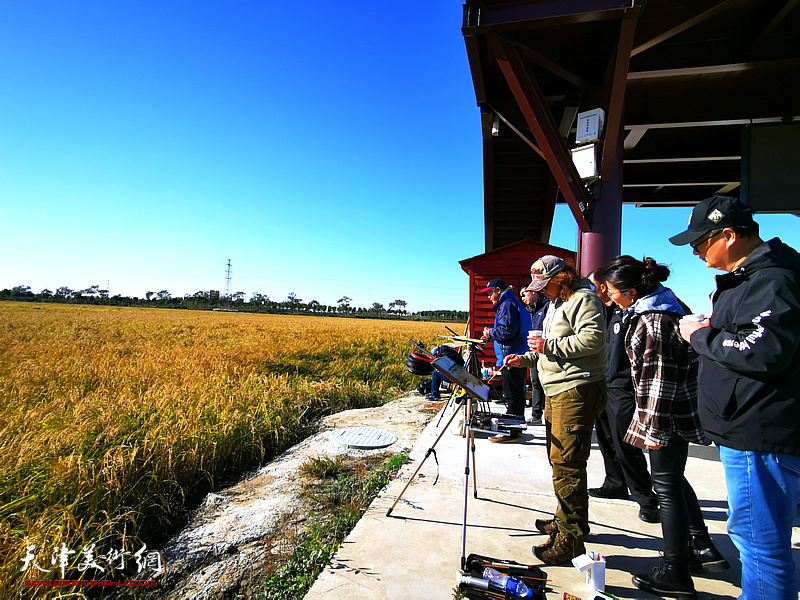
[(415, 552)]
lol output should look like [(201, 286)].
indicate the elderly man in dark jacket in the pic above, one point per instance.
[(749, 398)]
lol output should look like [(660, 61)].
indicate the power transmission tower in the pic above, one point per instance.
[(227, 296)]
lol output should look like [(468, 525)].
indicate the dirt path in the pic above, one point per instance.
[(225, 548)]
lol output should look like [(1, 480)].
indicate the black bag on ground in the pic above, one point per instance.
[(424, 386), (530, 575)]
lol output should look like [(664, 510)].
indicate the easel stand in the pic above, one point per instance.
[(428, 452), (471, 364), (473, 388)]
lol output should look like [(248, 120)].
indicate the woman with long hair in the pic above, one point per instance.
[(571, 361), (664, 373)]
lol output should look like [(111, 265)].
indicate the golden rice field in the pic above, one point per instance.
[(113, 421)]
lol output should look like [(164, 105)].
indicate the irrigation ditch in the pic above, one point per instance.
[(262, 537)]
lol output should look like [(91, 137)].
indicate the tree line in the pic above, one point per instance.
[(206, 300)]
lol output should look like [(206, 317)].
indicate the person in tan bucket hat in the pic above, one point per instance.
[(571, 361)]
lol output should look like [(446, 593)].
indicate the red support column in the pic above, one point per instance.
[(601, 245)]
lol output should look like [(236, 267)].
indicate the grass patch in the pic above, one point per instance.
[(340, 492)]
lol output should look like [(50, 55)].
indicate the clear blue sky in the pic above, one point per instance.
[(325, 149)]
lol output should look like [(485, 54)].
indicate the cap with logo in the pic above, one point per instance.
[(713, 214), (495, 283), (543, 269)]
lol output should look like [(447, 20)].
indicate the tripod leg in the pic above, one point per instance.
[(427, 454), (466, 486), (474, 472), (446, 406)]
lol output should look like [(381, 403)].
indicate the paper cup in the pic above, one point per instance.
[(697, 317), (535, 333)]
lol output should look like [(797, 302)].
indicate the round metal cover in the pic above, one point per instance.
[(363, 438)]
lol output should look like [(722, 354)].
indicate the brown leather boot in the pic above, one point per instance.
[(546, 545), (561, 551), (547, 526)]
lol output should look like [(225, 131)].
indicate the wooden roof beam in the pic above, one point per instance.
[(779, 16), (635, 134), (546, 13), (475, 65), (684, 26), (679, 125), (541, 123), (616, 99), (761, 65), (525, 137), (551, 66)]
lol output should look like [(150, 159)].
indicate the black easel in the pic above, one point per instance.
[(474, 388)]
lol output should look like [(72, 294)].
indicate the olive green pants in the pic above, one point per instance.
[(569, 419)]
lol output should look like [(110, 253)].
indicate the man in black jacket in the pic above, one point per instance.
[(749, 398)]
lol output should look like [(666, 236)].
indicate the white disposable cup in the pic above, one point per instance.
[(697, 317), (535, 333)]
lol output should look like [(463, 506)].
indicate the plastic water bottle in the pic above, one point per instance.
[(501, 581)]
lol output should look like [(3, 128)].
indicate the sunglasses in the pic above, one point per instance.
[(696, 245)]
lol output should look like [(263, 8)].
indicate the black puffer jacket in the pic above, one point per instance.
[(749, 382)]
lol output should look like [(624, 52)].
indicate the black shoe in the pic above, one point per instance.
[(667, 579), (604, 492), (433, 398), (705, 554), (649, 514)]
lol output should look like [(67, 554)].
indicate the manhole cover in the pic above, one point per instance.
[(363, 438)]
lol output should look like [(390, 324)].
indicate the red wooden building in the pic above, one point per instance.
[(512, 264)]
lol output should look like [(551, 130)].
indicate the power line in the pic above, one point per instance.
[(305, 278)]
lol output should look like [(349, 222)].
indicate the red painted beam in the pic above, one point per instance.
[(542, 13), (540, 121), (619, 80)]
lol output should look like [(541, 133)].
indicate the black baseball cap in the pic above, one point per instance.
[(714, 214), (495, 283)]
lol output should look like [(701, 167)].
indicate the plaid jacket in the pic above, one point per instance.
[(664, 372)]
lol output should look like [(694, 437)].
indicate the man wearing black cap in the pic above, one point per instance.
[(511, 325), (748, 393)]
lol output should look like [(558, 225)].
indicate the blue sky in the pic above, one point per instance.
[(324, 151)]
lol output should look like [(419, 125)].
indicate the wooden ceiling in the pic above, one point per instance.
[(679, 81)]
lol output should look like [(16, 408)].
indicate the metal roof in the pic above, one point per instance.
[(679, 81)]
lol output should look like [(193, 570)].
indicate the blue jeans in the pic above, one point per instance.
[(436, 380), (763, 493)]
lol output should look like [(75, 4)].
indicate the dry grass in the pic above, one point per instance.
[(114, 420)]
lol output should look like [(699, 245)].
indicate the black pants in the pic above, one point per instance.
[(537, 395), (514, 390), (680, 511), (626, 465)]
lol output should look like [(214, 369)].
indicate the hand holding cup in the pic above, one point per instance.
[(535, 340), (691, 323)]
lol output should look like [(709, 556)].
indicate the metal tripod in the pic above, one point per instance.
[(481, 392)]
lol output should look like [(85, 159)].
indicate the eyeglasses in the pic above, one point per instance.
[(696, 245)]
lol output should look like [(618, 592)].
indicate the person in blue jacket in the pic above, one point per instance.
[(451, 352), (512, 322), (536, 304)]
